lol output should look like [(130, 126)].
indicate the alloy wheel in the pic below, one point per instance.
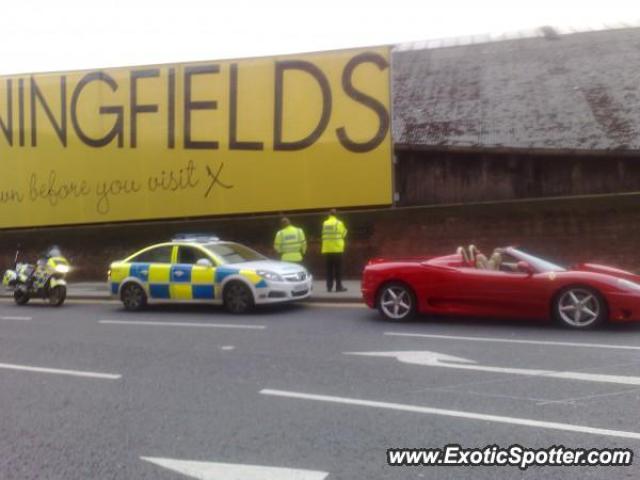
[(238, 298), (133, 297), (579, 307), (396, 302)]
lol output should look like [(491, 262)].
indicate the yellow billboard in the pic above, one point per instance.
[(187, 140)]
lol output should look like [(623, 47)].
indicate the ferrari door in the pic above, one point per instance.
[(500, 293)]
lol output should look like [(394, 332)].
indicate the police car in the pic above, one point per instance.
[(203, 268)]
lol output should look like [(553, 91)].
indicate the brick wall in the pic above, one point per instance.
[(600, 229)]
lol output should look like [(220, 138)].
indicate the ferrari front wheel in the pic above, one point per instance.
[(579, 308), (396, 302)]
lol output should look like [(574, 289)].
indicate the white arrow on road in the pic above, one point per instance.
[(232, 471), (434, 359)]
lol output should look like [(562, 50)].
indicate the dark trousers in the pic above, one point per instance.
[(334, 270)]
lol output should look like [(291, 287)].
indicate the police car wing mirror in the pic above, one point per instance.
[(204, 262)]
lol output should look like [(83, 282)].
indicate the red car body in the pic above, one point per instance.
[(448, 285)]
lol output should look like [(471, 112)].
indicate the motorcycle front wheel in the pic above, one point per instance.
[(20, 296), (57, 295)]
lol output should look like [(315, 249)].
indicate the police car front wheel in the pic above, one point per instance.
[(238, 298), (133, 297)]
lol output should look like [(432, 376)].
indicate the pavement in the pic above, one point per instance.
[(304, 391), (100, 291)]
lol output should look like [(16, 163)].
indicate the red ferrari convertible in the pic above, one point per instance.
[(511, 283)]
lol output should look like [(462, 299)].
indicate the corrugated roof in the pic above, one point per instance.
[(566, 91)]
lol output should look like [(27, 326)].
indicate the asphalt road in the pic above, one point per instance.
[(117, 395)]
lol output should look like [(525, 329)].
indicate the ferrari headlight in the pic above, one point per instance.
[(62, 268), (628, 284), (267, 275)]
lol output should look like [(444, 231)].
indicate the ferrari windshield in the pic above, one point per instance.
[(538, 264), (229, 252)]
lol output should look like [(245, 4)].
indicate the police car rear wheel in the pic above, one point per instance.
[(133, 297), (238, 298)]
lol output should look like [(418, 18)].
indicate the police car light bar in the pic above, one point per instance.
[(194, 237)]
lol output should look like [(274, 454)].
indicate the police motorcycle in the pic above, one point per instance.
[(43, 280)]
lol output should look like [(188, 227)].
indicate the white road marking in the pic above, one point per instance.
[(434, 359), (57, 371), (227, 348), (231, 471), (183, 324), (455, 413), (510, 340), (25, 319), (87, 301)]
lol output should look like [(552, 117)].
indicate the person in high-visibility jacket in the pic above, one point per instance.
[(333, 235), (290, 242)]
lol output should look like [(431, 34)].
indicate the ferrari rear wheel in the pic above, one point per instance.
[(580, 308), (397, 302)]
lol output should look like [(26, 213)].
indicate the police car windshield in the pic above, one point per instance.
[(233, 252)]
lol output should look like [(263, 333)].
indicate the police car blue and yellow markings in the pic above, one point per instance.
[(223, 272), (180, 281)]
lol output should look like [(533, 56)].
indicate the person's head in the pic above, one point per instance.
[(284, 222), (332, 212), (52, 251)]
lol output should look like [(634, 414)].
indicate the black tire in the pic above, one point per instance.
[(57, 295), (133, 297), (579, 307), (20, 297), (396, 302), (238, 298)]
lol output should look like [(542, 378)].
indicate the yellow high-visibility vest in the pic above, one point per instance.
[(333, 235), (290, 243)]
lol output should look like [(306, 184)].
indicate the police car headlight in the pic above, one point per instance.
[(62, 268), (628, 284), (267, 275)]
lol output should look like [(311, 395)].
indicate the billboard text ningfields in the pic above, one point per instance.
[(187, 140)]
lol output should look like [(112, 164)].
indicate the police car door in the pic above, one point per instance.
[(190, 280), (152, 267)]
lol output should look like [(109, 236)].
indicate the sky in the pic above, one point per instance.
[(52, 35)]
